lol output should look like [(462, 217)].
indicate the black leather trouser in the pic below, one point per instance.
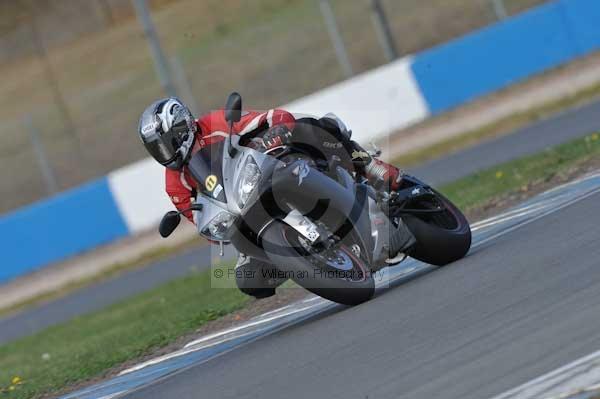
[(256, 278), (325, 139)]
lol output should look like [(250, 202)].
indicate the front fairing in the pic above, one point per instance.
[(211, 209), (226, 181), (205, 166), (341, 205)]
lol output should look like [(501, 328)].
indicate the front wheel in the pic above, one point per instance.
[(337, 274), (442, 238)]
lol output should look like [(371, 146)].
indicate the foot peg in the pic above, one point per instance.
[(374, 152)]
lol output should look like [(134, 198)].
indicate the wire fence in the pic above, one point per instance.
[(73, 92)]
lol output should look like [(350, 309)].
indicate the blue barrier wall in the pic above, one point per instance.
[(495, 57), (59, 227)]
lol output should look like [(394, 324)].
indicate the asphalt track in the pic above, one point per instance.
[(555, 130), (517, 307), (528, 140)]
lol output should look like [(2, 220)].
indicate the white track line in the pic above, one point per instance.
[(582, 375), (540, 216), (216, 338), (111, 396)]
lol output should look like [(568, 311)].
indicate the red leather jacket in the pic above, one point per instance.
[(213, 128)]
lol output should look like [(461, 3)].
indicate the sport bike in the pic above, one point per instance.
[(314, 220)]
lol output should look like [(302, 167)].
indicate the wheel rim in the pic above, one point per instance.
[(336, 259)]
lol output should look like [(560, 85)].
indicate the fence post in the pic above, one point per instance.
[(40, 155), (183, 85), (384, 33), (160, 62), (336, 38), (499, 9), (51, 78), (106, 13)]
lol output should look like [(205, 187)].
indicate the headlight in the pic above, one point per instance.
[(248, 181), (219, 226)]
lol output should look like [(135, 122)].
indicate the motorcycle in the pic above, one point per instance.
[(315, 221)]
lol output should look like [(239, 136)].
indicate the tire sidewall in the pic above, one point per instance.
[(281, 252), (438, 246)]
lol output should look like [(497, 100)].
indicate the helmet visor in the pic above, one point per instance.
[(163, 148)]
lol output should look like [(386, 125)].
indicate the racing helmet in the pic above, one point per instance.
[(168, 130)]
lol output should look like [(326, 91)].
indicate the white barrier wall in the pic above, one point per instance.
[(139, 192), (372, 104)]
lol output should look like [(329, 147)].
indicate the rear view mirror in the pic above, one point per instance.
[(233, 108), (169, 223)]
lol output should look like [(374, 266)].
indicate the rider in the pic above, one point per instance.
[(171, 135)]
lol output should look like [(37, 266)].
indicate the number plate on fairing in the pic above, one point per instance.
[(302, 225)]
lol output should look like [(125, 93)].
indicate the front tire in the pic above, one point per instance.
[(352, 287)]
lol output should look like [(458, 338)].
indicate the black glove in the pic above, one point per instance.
[(360, 156), (277, 136)]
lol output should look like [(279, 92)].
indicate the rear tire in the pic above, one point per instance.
[(439, 242), (283, 250)]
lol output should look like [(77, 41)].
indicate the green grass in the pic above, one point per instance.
[(478, 189), (87, 346)]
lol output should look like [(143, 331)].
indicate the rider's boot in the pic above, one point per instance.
[(387, 178), (383, 176)]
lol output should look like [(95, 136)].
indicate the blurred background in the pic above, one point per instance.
[(77, 74)]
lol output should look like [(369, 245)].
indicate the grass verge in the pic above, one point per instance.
[(522, 175), (88, 346), (498, 128)]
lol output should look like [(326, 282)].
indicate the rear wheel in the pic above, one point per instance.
[(338, 274), (442, 237)]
